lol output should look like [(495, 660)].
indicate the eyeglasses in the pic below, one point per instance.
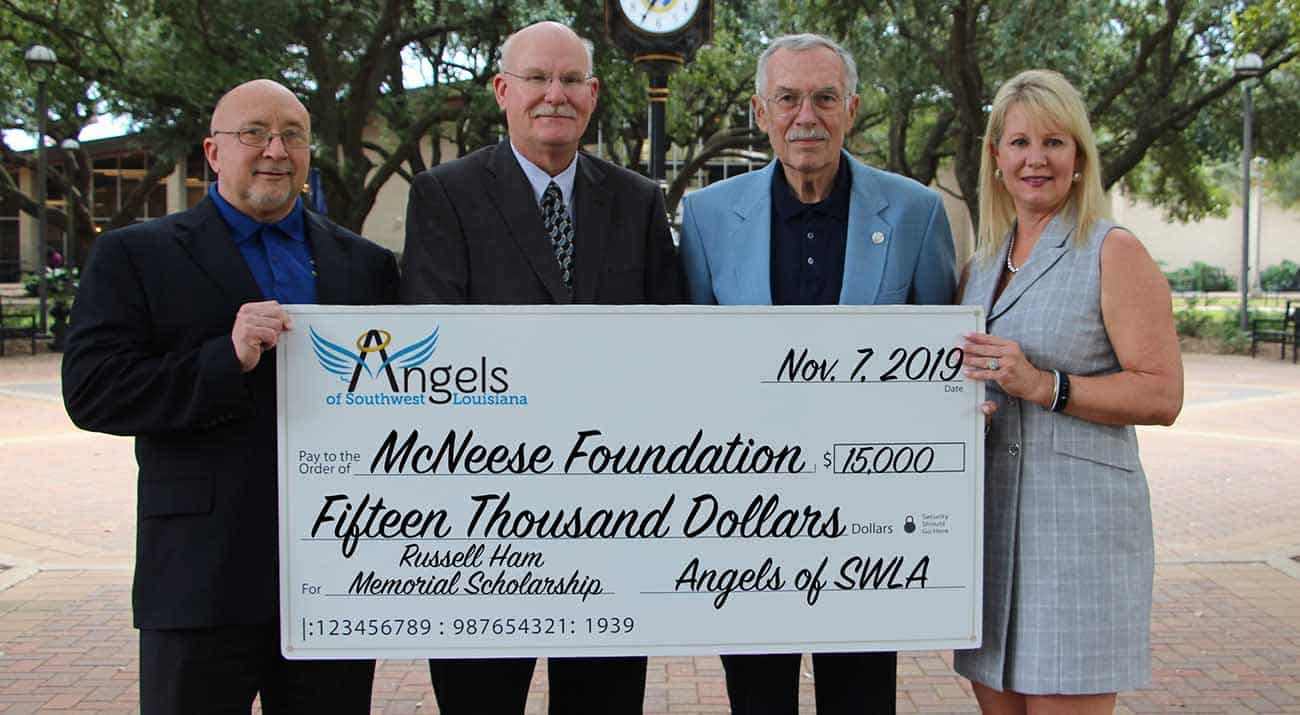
[(260, 137), (538, 81), (823, 100)]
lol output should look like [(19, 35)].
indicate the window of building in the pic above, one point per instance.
[(116, 177), (107, 189)]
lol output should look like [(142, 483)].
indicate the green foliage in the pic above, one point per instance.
[(60, 284), (1200, 277), (122, 56), (1190, 320), (1185, 181), (1226, 332), (1284, 276), (18, 317), (1156, 76), (1282, 181), (712, 93), (1261, 21), (114, 57), (1276, 143), (1277, 122), (1219, 328), (620, 117)]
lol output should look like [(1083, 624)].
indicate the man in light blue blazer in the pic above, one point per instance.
[(814, 227)]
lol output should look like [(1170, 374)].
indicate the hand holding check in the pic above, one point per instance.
[(257, 329)]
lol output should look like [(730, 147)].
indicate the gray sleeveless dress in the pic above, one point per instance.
[(1068, 552)]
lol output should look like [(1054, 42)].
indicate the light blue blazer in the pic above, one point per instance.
[(899, 249)]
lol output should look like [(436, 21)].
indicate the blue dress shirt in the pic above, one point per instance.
[(277, 254)]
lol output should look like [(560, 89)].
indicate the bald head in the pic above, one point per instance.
[(254, 90), (263, 182), (547, 34)]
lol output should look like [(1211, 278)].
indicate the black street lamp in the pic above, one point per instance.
[(40, 62), (71, 147), (1247, 67)]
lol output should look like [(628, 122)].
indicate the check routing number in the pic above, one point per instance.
[(517, 481)]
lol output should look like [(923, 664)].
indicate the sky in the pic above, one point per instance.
[(107, 126)]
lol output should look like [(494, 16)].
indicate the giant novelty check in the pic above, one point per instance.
[(516, 481)]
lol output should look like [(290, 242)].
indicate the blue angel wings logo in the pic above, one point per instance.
[(348, 365)]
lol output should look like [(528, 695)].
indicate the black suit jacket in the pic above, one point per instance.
[(474, 235), (149, 355)]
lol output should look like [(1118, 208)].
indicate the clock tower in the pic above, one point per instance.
[(660, 36)]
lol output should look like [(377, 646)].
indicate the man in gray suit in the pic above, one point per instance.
[(534, 221), (814, 227)]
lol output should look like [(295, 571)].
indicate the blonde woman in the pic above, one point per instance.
[(1080, 347)]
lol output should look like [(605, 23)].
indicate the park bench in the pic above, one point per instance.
[(1284, 331), (15, 324)]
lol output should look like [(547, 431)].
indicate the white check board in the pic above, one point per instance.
[(561, 481)]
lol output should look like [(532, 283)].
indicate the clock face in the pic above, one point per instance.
[(659, 17)]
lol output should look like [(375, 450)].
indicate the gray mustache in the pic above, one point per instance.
[(806, 133)]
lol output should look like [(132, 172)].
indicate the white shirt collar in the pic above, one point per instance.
[(539, 179)]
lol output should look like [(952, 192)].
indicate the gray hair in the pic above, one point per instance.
[(586, 44), (799, 43)]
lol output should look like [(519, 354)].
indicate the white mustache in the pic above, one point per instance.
[(554, 110), (797, 134)]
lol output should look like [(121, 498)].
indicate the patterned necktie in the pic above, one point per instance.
[(560, 229)]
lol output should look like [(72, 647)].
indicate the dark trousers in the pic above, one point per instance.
[(578, 686), (199, 671), (845, 683)]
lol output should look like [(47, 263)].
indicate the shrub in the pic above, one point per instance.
[(1219, 331), (1190, 320), (1200, 277), (1284, 276), (60, 283), (1227, 333)]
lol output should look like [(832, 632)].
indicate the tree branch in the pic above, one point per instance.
[(724, 140), (162, 166)]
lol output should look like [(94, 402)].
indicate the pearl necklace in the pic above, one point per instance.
[(1011, 245)]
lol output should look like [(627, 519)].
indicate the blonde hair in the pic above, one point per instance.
[(1050, 100)]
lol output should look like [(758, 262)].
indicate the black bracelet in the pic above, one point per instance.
[(1063, 393)]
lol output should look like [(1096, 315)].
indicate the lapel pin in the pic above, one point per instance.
[(877, 238)]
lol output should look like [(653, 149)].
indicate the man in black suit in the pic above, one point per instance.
[(534, 221), (168, 341)]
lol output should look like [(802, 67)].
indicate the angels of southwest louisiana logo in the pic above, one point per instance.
[(380, 371)]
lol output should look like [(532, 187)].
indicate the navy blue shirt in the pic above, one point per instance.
[(277, 254), (808, 242)]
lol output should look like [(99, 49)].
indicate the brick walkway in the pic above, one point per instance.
[(1225, 493)]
